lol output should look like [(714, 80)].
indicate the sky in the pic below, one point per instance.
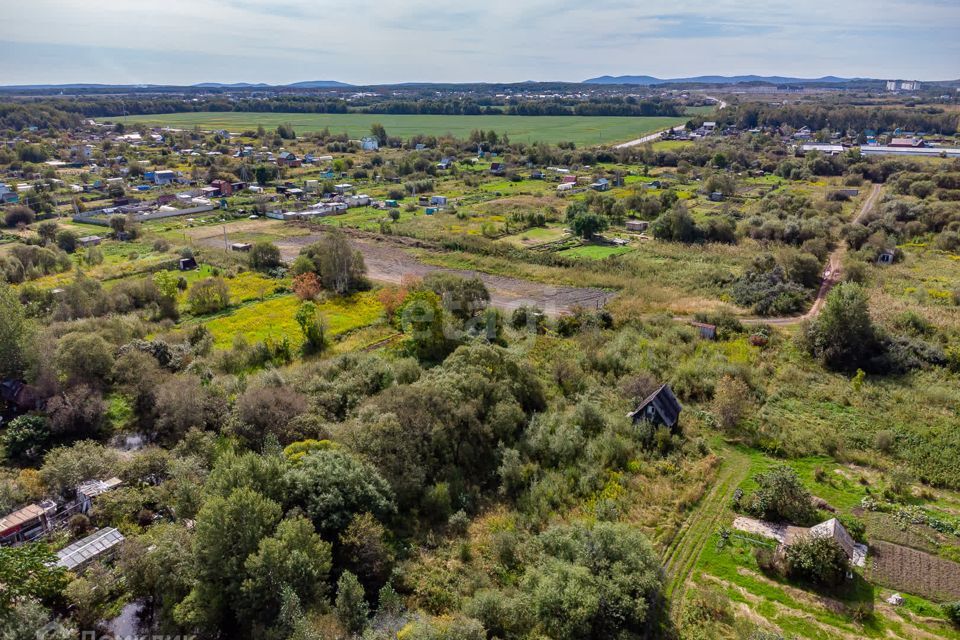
[(388, 41)]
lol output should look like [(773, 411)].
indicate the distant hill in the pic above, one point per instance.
[(318, 84), (235, 85), (650, 80)]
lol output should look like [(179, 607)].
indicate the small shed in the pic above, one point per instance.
[(707, 331), (637, 225), (27, 523), (716, 196), (241, 246), (18, 394), (660, 408), (187, 264), (81, 553), (886, 257), (89, 241), (90, 489), (833, 529)]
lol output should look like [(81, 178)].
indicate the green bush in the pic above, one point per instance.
[(819, 560)]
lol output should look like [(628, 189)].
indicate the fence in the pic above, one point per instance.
[(92, 217)]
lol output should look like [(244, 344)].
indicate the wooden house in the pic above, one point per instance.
[(660, 408)]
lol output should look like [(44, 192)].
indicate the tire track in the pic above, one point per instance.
[(684, 552)]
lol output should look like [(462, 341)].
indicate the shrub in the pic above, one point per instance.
[(884, 440), (781, 497), (67, 241), (819, 560), (351, 608), (731, 400), (264, 256), (952, 611), (25, 437), (843, 336), (208, 295), (18, 215), (313, 327)]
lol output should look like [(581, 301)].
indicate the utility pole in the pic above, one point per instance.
[(226, 247)]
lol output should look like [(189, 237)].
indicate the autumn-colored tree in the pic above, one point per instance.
[(307, 286), (391, 298)]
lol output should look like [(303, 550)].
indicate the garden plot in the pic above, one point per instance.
[(914, 571)]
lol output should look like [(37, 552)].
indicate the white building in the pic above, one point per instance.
[(929, 152), (831, 149)]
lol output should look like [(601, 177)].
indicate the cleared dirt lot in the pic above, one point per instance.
[(388, 262)]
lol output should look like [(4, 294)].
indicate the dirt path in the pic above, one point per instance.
[(831, 275), (681, 556), (653, 137), (388, 262)]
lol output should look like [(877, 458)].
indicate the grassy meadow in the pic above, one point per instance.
[(582, 130)]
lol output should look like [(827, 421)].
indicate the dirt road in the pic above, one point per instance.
[(831, 275), (388, 262), (653, 137)]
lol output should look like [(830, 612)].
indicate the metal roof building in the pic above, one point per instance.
[(930, 152), (84, 551), (832, 149)]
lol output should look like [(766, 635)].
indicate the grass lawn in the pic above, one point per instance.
[(595, 251), (536, 236), (582, 130), (798, 610), (274, 319)]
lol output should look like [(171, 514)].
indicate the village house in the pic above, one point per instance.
[(288, 159), (601, 185), (659, 408), (224, 188), (638, 226), (164, 177), (369, 144), (89, 241), (907, 142)]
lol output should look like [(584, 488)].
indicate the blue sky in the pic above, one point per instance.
[(383, 41)]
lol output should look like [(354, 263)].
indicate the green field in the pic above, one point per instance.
[(595, 251), (274, 319), (581, 130)]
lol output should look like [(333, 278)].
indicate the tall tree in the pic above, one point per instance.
[(294, 558), (843, 336), (13, 334), (227, 532)]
